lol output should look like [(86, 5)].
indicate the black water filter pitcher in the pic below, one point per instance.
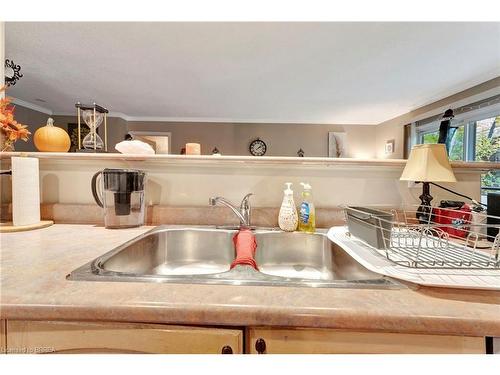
[(120, 192)]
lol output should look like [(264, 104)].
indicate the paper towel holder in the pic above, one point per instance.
[(6, 227)]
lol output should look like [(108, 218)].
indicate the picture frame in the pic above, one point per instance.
[(73, 135), (337, 144), (389, 147)]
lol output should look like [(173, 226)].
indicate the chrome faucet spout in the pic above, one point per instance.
[(243, 212)]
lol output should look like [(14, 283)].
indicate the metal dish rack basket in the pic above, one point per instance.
[(444, 241)]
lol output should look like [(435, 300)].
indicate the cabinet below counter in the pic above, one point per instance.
[(34, 337), (327, 341), (109, 337)]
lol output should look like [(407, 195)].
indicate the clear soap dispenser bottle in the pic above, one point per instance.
[(307, 217), (288, 217)]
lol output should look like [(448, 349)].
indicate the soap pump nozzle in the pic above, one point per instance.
[(288, 189)]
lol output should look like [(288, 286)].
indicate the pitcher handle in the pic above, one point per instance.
[(93, 185)]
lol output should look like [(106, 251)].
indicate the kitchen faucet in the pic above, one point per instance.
[(243, 212)]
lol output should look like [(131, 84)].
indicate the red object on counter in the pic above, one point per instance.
[(455, 220), (245, 245)]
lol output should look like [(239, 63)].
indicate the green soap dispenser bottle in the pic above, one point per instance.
[(307, 215)]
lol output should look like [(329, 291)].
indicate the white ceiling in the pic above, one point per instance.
[(344, 73)]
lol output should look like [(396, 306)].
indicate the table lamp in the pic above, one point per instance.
[(427, 163)]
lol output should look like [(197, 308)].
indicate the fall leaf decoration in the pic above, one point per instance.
[(10, 127)]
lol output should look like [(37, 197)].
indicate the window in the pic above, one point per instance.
[(475, 138), (456, 151), (487, 140), (487, 148), (430, 137), (490, 182)]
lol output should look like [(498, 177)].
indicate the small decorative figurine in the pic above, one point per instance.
[(93, 115)]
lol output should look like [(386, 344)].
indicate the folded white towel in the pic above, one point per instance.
[(134, 147)]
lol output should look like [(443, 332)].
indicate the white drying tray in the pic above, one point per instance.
[(449, 278)]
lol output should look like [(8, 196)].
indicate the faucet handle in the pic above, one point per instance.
[(244, 201)]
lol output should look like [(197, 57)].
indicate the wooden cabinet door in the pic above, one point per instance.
[(3, 338), (325, 341), (87, 337)]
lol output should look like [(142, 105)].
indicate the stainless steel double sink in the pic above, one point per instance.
[(203, 255)]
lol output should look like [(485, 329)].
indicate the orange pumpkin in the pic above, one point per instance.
[(50, 138)]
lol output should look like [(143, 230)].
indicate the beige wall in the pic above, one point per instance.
[(229, 138), (393, 129), (184, 182), (386, 132), (281, 139)]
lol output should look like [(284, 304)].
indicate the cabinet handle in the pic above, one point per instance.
[(227, 350), (260, 346)]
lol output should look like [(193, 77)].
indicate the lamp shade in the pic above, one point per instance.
[(428, 163)]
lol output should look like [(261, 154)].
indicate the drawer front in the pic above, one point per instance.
[(324, 341), (83, 337)]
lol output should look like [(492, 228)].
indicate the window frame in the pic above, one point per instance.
[(433, 127), (469, 120)]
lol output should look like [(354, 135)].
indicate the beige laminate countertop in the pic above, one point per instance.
[(33, 266)]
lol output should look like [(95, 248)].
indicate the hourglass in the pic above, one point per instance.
[(93, 116)]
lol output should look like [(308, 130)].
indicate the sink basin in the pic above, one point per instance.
[(173, 252), (307, 256), (204, 255), (295, 255)]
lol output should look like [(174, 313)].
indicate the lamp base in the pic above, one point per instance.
[(424, 211)]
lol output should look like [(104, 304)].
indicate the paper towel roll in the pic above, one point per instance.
[(25, 191)]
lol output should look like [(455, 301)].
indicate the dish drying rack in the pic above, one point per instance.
[(461, 243)]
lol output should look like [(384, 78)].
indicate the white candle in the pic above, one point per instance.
[(193, 149)]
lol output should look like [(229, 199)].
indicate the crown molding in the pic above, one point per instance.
[(210, 119), (233, 120), (121, 115), (32, 106)]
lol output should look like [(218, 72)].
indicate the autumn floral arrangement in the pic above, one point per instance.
[(10, 129)]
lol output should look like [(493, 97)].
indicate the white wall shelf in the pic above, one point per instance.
[(238, 160)]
